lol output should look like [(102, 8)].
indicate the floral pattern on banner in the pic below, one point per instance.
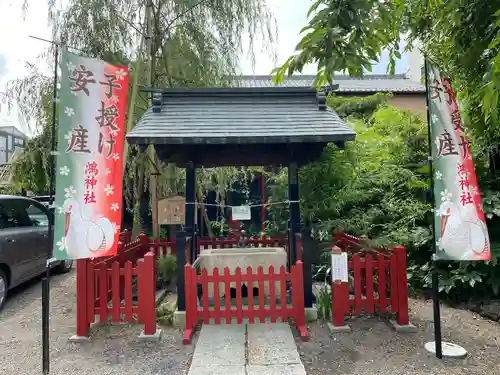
[(461, 232)]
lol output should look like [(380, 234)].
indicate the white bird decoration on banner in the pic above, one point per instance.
[(460, 238), (83, 237)]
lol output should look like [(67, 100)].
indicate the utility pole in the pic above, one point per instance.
[(151, 50)]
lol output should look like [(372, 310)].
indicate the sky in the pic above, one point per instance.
[(14, 33)]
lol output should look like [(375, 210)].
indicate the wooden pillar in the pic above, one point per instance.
[(190, 208), (308, 289), (154, 204), (180, 255), (201, 221), (293, 197), (263, 202)]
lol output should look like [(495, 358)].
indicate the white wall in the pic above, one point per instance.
[(415, 63)]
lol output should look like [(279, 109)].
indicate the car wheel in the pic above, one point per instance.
[(65, 266), (4, 285)]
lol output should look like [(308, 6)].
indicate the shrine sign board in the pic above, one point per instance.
[(172, 211), (241, 213), (340, 269)]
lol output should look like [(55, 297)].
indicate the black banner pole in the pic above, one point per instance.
[(435, 274), (46, 279), (45, 325)]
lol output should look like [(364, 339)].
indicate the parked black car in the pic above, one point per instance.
[(43, 199), (24, 242)]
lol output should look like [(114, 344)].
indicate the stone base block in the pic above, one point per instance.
[(179, 319), (79, 339), (335, 329), (409, 328), (160, 296), (154, 337), (311, 314)]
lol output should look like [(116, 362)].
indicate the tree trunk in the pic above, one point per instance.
[(205, 215), (137, 227), (139, 189), (152, 24)]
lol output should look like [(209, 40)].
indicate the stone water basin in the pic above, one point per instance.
[(243, 258)]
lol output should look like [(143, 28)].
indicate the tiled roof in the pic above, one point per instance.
[(239, 115), (369, 83)]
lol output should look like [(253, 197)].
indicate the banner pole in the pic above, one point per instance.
[(46, 279), (435, 272)]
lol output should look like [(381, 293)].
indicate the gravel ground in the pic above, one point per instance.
[(371, 348), (114, 350), (374, 348)]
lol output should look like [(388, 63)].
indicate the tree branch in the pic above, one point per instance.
[(165, 64), (145, 100), (131, 24), (183, 13)]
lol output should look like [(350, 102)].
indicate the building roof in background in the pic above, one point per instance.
[(239, 116), (369, 83), (14, 131), (6, 169)]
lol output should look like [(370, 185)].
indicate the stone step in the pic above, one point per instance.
[(251, 349)]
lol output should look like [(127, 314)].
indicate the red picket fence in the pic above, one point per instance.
[(379, 278), (196, 311), (162, 247), (165, 247), (105, 286)]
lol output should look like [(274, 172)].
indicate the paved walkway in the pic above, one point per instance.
[(251, 349)]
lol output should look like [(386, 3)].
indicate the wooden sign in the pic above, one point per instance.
[(241, 213), (340, 269), (172, 211)]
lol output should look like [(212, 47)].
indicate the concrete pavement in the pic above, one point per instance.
[(246, 349)]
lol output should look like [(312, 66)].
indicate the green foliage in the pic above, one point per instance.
[(355, 105), (377, 192), (220, 229), (461, 36), (379, 186), (345, 36), (31, 170), (324, 302), (376, 187), (165, 268), (373, 187), (165, 313)]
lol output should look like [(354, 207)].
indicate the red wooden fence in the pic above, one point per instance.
[(165, 247), (162, 247), (380, 282), (105, 287), (216, 314)]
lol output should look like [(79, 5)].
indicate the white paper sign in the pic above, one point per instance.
[(339, 267), (241, 213)]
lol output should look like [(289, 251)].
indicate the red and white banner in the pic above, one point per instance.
[(460, 225), (92, 109)]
